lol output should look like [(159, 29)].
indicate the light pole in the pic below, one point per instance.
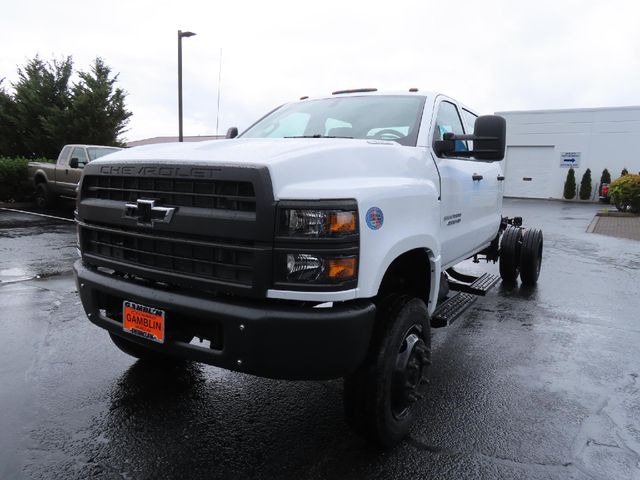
[(180, 35)]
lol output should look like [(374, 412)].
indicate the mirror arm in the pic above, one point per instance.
[(453, 137)]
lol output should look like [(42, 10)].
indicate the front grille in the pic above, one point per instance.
[(177, 257), (213, 194)]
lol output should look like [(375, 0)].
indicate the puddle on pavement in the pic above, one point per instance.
[(15, 274)]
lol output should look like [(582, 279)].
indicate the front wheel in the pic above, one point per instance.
[(381, 397)]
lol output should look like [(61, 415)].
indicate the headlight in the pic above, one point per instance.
[(317, 245), (315, 268), (307, 223)]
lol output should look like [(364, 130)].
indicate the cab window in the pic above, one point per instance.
[(469, 120), (448, 121), (80, 154), (64, 156)]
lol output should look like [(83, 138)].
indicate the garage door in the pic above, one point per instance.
[(528, 171)]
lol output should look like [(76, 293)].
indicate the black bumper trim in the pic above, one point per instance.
[(276, 341)]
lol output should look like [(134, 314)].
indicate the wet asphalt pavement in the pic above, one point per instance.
[(535, 384)]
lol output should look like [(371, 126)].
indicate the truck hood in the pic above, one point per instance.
[(301, 168)]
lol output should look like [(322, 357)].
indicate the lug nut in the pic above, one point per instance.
[(239, 362), (242, 327)]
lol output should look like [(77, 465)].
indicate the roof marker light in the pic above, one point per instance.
[(355, 90)]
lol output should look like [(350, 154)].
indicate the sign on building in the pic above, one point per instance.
[(570, 159)]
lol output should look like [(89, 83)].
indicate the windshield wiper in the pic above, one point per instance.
[(317, 135)]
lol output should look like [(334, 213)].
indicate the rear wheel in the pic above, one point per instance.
[(531, 256), (142, 353), (510, 246), (381, 397)]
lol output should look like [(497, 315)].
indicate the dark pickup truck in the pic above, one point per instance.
[(60, 179)]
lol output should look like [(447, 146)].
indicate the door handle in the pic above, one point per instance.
[(500, 178), (476, 177)]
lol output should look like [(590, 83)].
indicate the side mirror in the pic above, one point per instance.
[(73, 163), (489, 140), (491, 131), (232, 132)]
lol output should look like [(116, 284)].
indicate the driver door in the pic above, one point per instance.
[(469, 207), (72, 175)]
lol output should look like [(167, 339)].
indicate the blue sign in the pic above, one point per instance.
[(374, 218), (570, 159)]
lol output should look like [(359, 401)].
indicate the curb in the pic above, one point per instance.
[(593, 224), (615, 213), (16, 204)]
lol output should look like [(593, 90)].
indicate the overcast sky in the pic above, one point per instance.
[(491, 55)]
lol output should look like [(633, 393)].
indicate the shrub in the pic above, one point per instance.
[(570, 185), (605, 177), (625, 193), (15, 184), (585, 185)]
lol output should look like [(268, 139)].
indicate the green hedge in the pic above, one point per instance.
[(15, 184), (625, 193)]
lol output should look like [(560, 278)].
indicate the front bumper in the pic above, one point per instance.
[(256, 337)]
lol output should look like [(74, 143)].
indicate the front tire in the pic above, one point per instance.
[(381, 397)]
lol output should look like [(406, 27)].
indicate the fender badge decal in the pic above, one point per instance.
[(374, 218)]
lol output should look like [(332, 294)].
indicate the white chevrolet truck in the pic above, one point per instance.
[(318, 244)]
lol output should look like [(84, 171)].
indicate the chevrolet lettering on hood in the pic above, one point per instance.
[(160, 171)]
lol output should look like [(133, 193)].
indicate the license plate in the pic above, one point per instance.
[(147, 322)]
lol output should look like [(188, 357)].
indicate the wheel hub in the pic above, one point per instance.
[(411, 361)]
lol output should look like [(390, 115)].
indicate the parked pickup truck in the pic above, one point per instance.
[(60, 179), (318, 244)]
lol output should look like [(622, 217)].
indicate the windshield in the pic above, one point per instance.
[(382, 117), (97, 152)]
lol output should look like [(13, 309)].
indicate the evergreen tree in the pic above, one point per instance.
[(585, 185), (98, 113), (8, 147), (605, 177), (42, 104), (624, 172), (570, 185)]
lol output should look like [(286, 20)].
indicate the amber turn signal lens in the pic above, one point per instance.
[(342, 222), (342, 267)]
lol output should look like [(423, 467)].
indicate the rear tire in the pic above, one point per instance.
[(531, 256), (381, 397), (510, 247), (43, 198), (143, 354)]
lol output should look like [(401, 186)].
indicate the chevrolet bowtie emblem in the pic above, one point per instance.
[(147, 213)]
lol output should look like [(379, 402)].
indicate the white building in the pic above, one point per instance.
[(543, 144)]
